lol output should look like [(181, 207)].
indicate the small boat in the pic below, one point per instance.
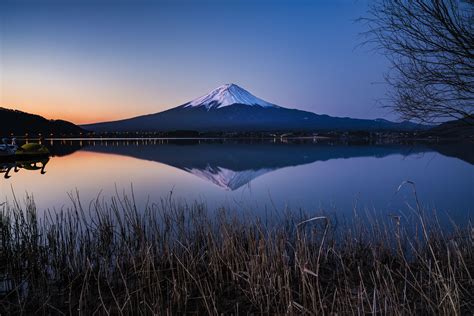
[(32, 149), (7, 149)]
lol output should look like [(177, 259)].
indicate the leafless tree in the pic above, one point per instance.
[(430, 45)]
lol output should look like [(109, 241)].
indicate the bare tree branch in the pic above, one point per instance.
[(430, 45)]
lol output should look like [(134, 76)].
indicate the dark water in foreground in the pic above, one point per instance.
[(260, 177)]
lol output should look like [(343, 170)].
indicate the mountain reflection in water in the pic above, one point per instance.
[(231, 164)]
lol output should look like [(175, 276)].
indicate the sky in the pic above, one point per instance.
[(92, 61)]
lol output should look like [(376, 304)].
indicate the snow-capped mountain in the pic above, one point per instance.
[(230, 108), (226, 95)]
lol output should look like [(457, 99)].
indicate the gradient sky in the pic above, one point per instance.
[(89, 61)]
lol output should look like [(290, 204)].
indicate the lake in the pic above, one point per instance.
[(256, 176)]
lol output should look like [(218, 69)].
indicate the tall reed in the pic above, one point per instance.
[(175, 258)]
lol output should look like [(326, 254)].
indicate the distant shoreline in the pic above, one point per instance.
[(322, 138)]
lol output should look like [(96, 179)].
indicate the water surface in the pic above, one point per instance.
[(253, 176)]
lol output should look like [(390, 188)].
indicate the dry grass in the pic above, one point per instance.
[(173, 258)]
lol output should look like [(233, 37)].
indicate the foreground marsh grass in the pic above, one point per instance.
[(174, 258)]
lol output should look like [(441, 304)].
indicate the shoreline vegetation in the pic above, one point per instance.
[(178, 258)]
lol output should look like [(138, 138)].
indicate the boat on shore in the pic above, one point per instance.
[(12, 152)]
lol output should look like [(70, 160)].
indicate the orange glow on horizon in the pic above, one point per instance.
[(56, 98), (76, 117), (81, 118), (88, 108), (74, 113)]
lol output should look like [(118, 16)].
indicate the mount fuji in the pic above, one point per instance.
[(230, 108), (227, 95)]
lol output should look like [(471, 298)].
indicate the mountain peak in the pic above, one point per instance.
[(228, 86), (225, 95)]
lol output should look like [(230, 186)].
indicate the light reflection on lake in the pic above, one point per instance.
[(255, 176)]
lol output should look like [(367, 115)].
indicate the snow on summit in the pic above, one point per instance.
[(226, 95)]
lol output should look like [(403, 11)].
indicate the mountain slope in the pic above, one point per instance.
[(231, 108), (20, 123), (462, 128)]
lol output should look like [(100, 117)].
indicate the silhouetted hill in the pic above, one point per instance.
[(20, 123), (463, 128)]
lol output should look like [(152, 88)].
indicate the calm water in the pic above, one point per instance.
[(258, 176)]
